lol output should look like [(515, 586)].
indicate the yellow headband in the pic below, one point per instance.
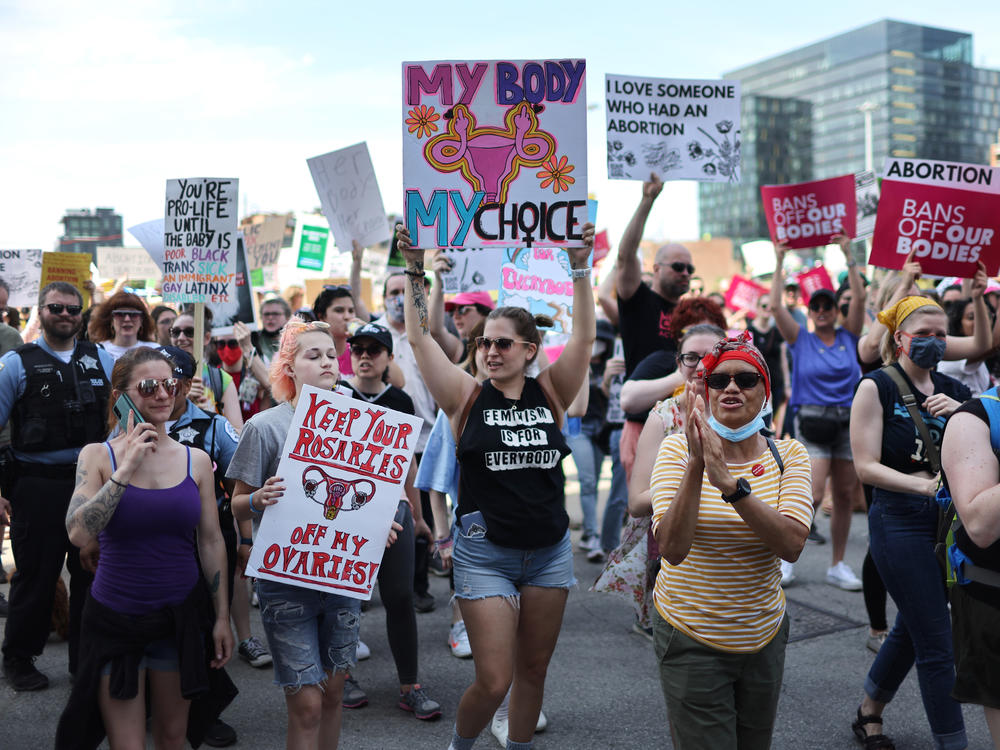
[(894, 316)]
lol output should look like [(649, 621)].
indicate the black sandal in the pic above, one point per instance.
[(870, 741)]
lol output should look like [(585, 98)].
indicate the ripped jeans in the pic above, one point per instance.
[(308, 632)]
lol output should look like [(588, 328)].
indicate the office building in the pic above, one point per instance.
[(84, 230)]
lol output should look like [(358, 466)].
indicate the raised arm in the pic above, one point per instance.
[(976, 345), (361, 311), (787, 326), (449, 342), (212, 554), (869, 347), (569, 371), (450, 386), (855, 320), (629, 270)]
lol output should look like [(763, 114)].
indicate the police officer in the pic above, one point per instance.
[(55, 393)]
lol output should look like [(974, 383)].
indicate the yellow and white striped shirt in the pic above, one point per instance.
[(727, 593)]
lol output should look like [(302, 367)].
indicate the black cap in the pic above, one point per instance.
[(824, 292), (373, 331), (183, 362)]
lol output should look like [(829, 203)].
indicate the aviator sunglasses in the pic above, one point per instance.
[(485, 343), (148, 386), (719, 381)]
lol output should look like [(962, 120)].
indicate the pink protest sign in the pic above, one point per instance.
[(811, 281), (602, 246), (743, 293), (947, 213), (808, 214)]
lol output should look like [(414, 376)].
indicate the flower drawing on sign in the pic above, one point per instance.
[(556, 174), (358, 492), (617, 156), (422, 120), (489, 157), (660, 157), (724, 159)]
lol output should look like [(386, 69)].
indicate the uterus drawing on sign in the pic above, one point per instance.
[(340, 494), (490, 158)]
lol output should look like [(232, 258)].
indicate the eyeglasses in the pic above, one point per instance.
[(127, 314), (821, 305), (719, 381), (148, 386), (484, 343), (372, 350), (56, 309), (682, 267), (223, 343), (175, 333), (691, 359)]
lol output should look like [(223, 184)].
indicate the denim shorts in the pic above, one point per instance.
[(309, 632), (484, 569), (159, 656)]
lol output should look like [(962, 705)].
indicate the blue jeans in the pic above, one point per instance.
[(614, 510), (903, 529), (588, 457)]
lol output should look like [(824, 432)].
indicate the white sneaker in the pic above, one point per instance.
[(542, 722), (458, 639), (498, 727), (590, 544), (787, 573), (841, 576), (363, 651)]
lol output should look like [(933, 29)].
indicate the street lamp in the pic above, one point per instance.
[(866, 109)]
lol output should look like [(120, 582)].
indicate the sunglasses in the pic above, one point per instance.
[(126, 314), (682, 267), (463, 310), (691, 359), (187, 331), (485, 343), (223, 343), (56, 309), (372, 350), (719, 381), (337, 287), (823, 305), (148, 386)]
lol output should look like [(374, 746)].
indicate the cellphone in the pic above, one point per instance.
[(121, 409)]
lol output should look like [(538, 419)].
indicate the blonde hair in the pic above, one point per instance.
[(888, 348), (282, 384)]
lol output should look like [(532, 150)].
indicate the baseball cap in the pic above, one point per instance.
[(824, 292), (373, 331), (469, 298), (183, 362)]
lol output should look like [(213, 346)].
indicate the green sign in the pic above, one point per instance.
[(312, 247)]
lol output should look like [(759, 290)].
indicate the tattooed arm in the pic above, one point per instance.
[(212, 553)]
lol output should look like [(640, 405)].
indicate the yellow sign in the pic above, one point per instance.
[(73, 268)]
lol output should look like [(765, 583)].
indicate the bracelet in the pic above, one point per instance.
[(115, 481), (580, 273), (253, 509), (414, 274), (244, 540), (445, 543)]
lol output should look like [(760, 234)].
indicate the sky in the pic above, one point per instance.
[(103, 101)]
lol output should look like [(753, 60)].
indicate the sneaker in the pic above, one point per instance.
[(787, 573), (542, 724), (253, 653), (363, 651), (595, 556), (458, 639), (4, 606), (22, 675), (254, 601), (875, 640), (419, 704), (499, 727), (354, 696), (423, 602), (220, 734), (590, 544), (814, 536), (841, 576)]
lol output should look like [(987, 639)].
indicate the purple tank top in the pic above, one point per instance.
[(148, 552)]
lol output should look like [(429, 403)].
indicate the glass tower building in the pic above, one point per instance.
[(803, 114)]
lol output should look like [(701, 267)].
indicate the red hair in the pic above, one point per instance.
[(282, 384), (694, 310)]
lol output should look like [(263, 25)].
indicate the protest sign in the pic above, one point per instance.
[(73, 268), (680, 129), (22, 270), (808, 214), (150, 236), (350, 198), (344, 463), (743, 294), (495, 153), (239, 306), (946, 212), (315, 285), (199, 239), (812, 280), (866, 200), (310, 246), (126, 263), (263, 237), (538, 279), (473, 270), (602, 246)]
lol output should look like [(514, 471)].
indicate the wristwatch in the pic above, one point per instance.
[(742, 490)]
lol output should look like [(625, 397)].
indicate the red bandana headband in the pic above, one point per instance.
[(741, 348)]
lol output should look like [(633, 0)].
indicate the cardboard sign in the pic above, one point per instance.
[(22, 270), (73, 268), (149, 234), (344, 463), (473, 270), (350, 198), (538, 279), (947, 212), (263, 237), (199, 239), (679, 129), (495, 152), (810, 281), (240, 305), (743, 294), (808, 214), (866, 200), (126, 263)]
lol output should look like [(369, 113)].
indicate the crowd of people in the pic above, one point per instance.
[(726, 432)]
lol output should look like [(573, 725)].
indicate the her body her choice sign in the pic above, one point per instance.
[(947, 213), (344, 463), (495, 153), (809, 214)]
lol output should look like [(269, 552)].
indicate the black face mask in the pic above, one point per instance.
[(844, 308)]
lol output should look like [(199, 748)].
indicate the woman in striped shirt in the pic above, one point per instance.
[(728, 504)]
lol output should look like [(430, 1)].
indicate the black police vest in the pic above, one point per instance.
[(64, 405), (203, 428)]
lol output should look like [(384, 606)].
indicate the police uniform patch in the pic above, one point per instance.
[(187, 435), (88, 362)]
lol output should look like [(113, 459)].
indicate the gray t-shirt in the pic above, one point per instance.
[(259, 450)]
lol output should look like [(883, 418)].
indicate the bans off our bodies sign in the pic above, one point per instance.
[(947, 213), (809, 214), (344, 463)]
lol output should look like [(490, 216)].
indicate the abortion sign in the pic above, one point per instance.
[(344, 463), (495, 153), (538, 279), (680, 129), (199, 239), (947, 213), (813, 280), (809, 214), (473, 269), (22, 270), (240, 306), (743, 294), (349, 194)]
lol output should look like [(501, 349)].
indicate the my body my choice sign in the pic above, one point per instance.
[(344, 463)]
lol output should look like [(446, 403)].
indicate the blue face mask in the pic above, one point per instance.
[(394, 308), (926, 351), (739, 434)]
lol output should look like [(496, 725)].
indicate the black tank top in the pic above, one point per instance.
[(511, 470)]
